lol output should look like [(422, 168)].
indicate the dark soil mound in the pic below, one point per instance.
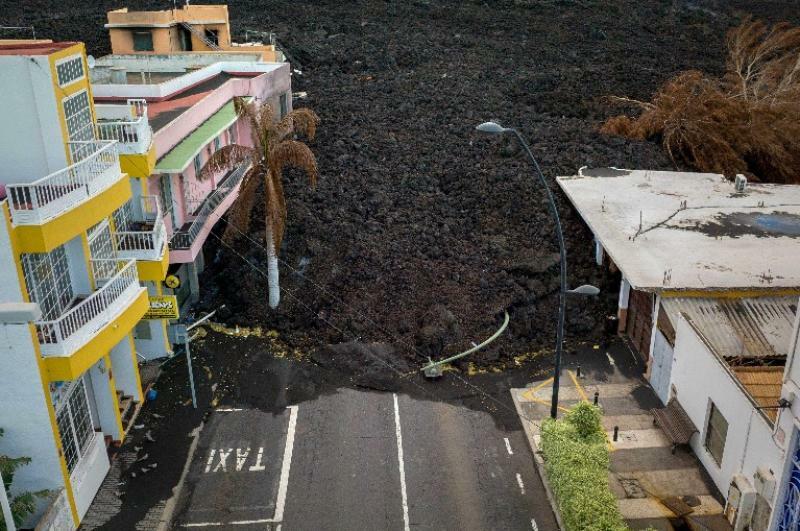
[(421, 231)]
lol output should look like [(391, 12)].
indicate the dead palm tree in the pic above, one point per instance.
[(274, 149)]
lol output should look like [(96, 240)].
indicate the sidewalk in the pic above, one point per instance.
[(654, 488)]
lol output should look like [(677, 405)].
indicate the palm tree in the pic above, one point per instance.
[(274, 149)]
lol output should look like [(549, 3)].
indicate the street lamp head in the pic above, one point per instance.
[(493, 128), (586, 290)]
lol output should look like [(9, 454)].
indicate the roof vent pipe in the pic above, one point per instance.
[(740, 183)]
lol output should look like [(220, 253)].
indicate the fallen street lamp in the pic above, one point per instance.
[(586, 290)]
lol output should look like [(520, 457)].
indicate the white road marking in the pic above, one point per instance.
[(237, 522), (210, 460), (533, 525), (241, 458), (283, 487), (258, 467), (520, 483), (228, 409), (399, 434), (610, 359), (508, 446), (223, 458)]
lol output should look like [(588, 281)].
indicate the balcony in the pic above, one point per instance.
[(144, 237), (118, 287), (127, 124), (40, 201), (191, 232)]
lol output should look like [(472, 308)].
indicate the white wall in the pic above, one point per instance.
[(698, 375), (31, 141), (23, 402)]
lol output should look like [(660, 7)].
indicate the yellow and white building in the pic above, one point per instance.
[(81, 239)]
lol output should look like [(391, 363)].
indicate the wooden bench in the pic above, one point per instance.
[(675, 422)]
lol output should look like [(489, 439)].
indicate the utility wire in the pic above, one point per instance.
[(478, 390)]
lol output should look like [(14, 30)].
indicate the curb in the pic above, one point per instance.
[(537, 455)]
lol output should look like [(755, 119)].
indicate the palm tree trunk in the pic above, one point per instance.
[(272, 271)]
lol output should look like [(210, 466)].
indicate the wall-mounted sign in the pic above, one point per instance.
[(162, 307), (172, 281)]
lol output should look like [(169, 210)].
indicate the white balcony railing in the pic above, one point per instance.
[(127, 124), (37, 202), (144, 239), (79, 324), (184, 239)]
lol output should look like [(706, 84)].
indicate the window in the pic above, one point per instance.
[(284, 104), (80, 128), (102, 253), (212, 36), (716, 433), (198, 164), (142, 41), (69, 70), (217, 143), (48, 281), (75, 423), (142, 330), (233, 134), (209, 150)]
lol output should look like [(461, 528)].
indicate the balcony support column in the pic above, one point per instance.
[(105, 395)]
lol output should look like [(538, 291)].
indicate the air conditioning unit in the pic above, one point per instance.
[(764, 482), (740, 504), (740, 183)]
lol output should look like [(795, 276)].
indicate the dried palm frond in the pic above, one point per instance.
[(226, 158), (241, 210), (291, 153), (249, 110), (300, 122), (748, 121)]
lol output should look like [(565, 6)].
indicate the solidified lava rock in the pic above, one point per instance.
[(414, 209)]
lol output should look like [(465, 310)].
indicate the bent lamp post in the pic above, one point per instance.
[(587, 290)]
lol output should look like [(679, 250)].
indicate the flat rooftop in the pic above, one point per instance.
[(691, 231), (157, 77), (33, 47)]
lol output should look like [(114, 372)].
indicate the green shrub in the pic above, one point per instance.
[(576, 462)]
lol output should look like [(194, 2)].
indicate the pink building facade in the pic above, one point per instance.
[(190, 107)]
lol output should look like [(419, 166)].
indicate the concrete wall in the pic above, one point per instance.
[(21, 390), (32, 141), (700, 377)]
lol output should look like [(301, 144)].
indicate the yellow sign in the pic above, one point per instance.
[(172, 281), (162, 307)]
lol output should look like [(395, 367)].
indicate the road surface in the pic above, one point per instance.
[(356, 460)]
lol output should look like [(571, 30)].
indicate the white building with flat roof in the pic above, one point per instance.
[(710, 277)]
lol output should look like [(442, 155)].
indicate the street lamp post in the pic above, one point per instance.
[(496, 129)]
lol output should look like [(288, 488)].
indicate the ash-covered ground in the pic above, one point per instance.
[(421, 231)]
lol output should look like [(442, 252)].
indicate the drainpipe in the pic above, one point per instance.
[(622, 312), (746, 441), (598, 252)]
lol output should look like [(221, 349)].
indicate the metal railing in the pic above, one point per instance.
[(44, 199), (185, 238), (127, 124), (143, 244), (79, 323)]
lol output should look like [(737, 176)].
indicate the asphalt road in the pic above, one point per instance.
[(361, 461)]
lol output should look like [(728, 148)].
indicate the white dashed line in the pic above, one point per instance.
[(508, 446), (401, 465), (520, 483), (533, 525), (227, 409), (610, 359)]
